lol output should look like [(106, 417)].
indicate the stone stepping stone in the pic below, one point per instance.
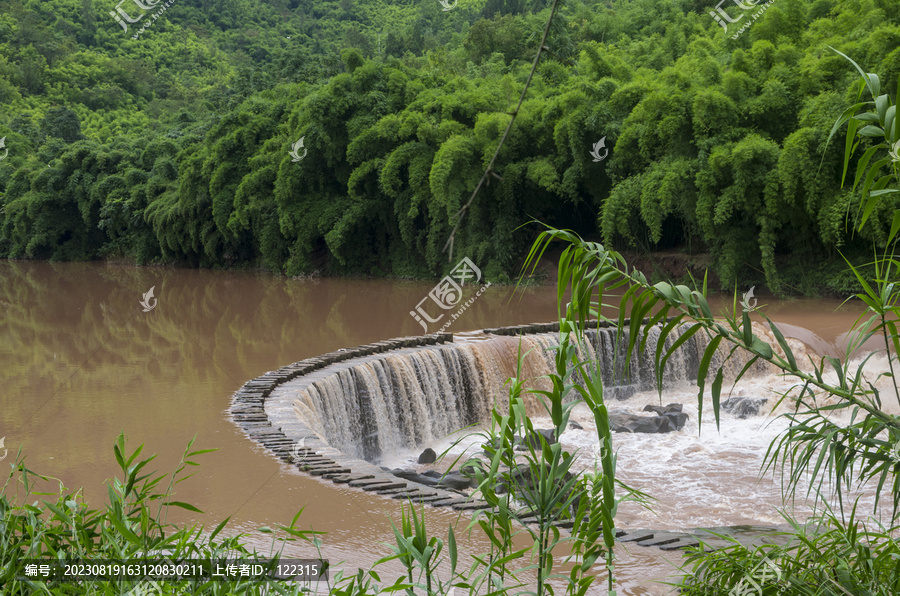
[(330, 465), (375, 481), (322, 471), (406, 494), (392, 491), (660, 538), (331, 476), (418, 498), (471, 505), (371, 487), (637, 535), (683, 542), (566, 524), (345, 478), (711, 544), (449, 502), (428, 499), (416, 492), (315, 462)]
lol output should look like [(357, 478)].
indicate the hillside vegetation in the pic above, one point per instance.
[(174, 146)]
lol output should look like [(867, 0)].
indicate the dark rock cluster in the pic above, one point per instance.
[(667, 419), (743, 407)]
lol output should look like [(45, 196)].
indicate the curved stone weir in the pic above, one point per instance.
[(404, 392)]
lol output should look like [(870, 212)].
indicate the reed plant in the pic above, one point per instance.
[(838, 553), (131, 527)]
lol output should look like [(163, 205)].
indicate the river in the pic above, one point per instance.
[(80, 362)]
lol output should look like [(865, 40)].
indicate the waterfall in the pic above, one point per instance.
[(400, 401), (387, 404)]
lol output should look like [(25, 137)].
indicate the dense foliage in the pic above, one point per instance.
[(175, 146)]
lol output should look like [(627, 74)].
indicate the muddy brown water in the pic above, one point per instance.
[(81, 362)]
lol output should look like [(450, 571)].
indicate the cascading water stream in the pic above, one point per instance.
[(399, 402)]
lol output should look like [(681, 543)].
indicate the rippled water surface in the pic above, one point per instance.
[(80, 362)]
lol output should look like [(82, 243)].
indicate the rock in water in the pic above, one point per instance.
[(673, 412), (457, 481), (743, 407), (575, 426), (413, 476), (668, 421), (663, 410), (428, 456), (631, 423), (676, 419)]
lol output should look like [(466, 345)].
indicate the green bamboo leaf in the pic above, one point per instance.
[(660, 344), (59, 512), (889, 123), (716, 393), (762, 348), (668, 292), (845, 116), (882, 103), (872, 81), (872, 201), (451, 546), (867, 117), (655, 320), (222, 525), (622, 301), (863, 163), (702, 372), (836, 365), (675, 345), (878, 187), (747, 328), (123, 530), (118, 453), (187, 506), (848, 147), (871, 131), (783, 343)]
